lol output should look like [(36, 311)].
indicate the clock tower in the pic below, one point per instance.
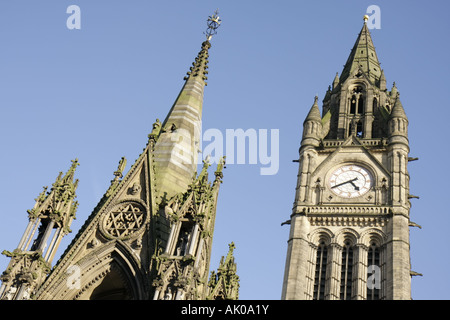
[(349, 228)]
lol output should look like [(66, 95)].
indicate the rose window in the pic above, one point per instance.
[(124, 220)]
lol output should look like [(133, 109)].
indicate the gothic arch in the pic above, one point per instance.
[(345, 235), (373, 236), (321, 234), (109, 273), (172, 271)]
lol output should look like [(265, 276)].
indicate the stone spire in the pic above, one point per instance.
[(314, 112), (178, 141), (312, 126), (363, 57), (398, 111), (336, 80)]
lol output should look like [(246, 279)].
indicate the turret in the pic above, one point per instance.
[(312, 126), (49, 222), (398, 124)]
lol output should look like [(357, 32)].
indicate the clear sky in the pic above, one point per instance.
[(94, 93)]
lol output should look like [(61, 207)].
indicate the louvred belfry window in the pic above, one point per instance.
[(346, 272), (320, 275), (373, 273)]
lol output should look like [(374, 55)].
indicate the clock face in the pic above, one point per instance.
[(350, 181)]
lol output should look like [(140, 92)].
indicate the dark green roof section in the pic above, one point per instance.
[(364, 57)]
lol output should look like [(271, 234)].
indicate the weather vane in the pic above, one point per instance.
[(213, 23)]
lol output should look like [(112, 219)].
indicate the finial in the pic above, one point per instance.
[(70, 173), (365, 18), (213, 23), (74, 163), (206, 162), (119, 172)]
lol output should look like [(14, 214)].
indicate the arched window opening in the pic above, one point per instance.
[(359, 129), (320, 274), (375, 129), (184, 237), (357, 101), (360, 104), (346, 272), (355, 128), (373, 273), (353, 104)]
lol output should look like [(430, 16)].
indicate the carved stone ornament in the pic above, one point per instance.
[(135, 189), (124, 220)]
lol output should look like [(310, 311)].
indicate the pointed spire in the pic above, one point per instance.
[(312, 126), (200, 64), (68, 178), (382, 81), (394, 91), (314, 112), (60, 198), (224, 284), (177, 138), (398, 125), (363, 56), (336, 80), (398, 111)]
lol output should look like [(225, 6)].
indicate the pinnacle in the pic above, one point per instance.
[(336, 80), (314, 112), (398, 111)]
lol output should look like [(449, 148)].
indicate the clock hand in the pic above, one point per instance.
[(349, 181), (354, 185)]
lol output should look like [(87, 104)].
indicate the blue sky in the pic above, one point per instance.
[(94, 93)]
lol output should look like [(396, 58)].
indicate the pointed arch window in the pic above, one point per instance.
[(320, 274), (360, 109), (356, 128), (357, 101), (353, 102), (373, 273), (185, 236), (346, 272), (375, 104), (359, 129)]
